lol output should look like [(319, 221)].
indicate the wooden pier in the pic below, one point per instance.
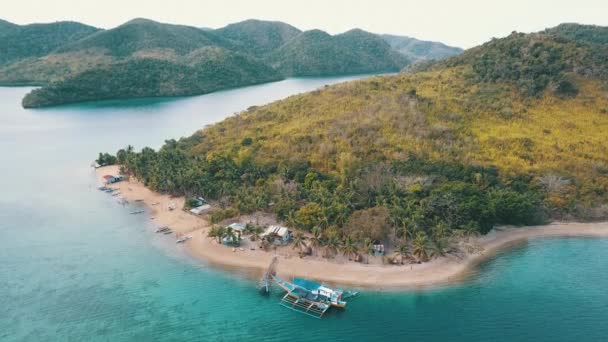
[(266, 280)]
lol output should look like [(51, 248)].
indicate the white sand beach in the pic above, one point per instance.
[(340, 271)]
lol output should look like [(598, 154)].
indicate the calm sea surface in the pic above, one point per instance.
[(75, 266)]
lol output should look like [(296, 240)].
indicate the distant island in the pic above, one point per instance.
[(73, 62), (512, 132)]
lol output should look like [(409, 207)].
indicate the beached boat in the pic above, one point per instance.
[(184, 239), (167, 232), (162, 229)]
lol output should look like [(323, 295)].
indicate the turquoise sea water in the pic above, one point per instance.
[(75, 266)]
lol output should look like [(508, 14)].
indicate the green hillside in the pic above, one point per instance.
[(20, 42), (455, 149), (5, 26), (315, 53), (419, 50), (61, 55), (258, 37), (535, 62), (143, 34), (208, 70)]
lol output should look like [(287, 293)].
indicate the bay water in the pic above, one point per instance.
[(75, 266)]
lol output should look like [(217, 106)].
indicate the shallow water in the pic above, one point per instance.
[(75, 266)]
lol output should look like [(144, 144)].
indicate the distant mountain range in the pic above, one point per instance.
[(74, 62)]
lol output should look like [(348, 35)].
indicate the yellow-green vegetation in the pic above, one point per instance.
[(411, 159)]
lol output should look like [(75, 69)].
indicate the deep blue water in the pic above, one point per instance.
[(75, 266)]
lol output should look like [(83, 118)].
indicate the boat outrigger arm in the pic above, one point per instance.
[(303, 295), (309, 297)]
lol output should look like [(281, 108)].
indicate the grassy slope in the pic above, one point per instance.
[(512, 115)]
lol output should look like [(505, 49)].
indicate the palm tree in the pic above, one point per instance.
[(349, 247), (438, 248), (299, 240), (216, 232), (368, 247), (440, 231), (471, 229), (332, 245), (420, 245), (291, 220), (316, 238), (403, 251), (403, 231), (256, 233), (231, 236)]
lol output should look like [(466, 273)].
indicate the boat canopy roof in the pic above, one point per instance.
[(307, 284)]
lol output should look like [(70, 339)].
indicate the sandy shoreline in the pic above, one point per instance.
[(437, 272)]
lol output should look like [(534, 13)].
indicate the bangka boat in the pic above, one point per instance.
[(167, 232), (184, 239), (162, 229), (309, 297)]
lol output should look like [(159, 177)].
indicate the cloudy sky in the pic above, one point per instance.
[(464, 23)]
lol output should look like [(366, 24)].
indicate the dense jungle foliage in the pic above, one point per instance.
[(417, 155)]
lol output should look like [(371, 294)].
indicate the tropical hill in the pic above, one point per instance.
[(5, 26), (510, 132), (35, 40), (140, 34), (258, 37), (419, 50), (316, 53), (62, 55), (210, 69)]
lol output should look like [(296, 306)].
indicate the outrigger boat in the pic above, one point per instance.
[(305, 296), (184, 239), (162, 229), (309, 297)]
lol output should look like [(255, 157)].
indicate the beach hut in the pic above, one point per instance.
[(378, 250), (237, 227), (200, 209), (281, 234)]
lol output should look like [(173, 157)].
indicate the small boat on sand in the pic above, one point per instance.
[(184, 239), (167, 232), (162, 229)]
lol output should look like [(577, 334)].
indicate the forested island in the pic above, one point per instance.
[(509, 133), (74, 62)]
